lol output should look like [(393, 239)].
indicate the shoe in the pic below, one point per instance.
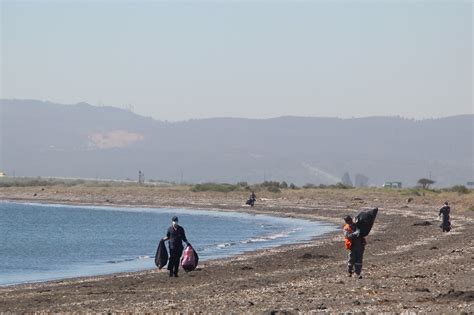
[(171, 274), (350, 274), (176, 275), (359, 277)]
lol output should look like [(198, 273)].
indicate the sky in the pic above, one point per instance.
[(188, 60)]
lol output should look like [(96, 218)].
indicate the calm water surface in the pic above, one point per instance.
[(46, 242)]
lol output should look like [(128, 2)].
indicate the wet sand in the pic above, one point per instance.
[(409, 264)]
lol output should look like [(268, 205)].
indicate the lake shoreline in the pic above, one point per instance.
[(407, 267), (268, 238)]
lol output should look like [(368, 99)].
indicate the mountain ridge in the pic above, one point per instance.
[(83, 140)]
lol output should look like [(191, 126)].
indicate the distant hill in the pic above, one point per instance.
[(47, 139)]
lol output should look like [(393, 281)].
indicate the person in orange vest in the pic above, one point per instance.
[(356, 245)]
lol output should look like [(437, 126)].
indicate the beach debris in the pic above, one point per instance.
[(324, 256), (311, 256), (321, 307), (424, 223), (452, 294), (282, 312), (422, 290), (246, 268), (306, 256)]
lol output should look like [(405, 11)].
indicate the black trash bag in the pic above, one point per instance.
[(161, 256), (365, 220)]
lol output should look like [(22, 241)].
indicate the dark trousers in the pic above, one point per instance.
[(355, 257), (446, 226), (175, 256)]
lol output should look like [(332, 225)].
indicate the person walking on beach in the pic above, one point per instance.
[(444, 211), (176, 237), (356, 246), (252, 199)]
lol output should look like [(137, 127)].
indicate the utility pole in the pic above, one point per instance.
[(141, 177)]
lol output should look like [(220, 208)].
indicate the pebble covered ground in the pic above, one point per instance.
[(409, 264)]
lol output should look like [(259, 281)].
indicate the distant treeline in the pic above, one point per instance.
[(271, 186), (39, 181), (277, 187)]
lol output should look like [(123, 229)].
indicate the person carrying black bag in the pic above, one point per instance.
[(355, 244), (176, 237), (252, 199), (444, 211)]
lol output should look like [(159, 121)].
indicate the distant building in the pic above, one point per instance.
[(2, 174), (361, 180), (392, 185), (346, 179), (470, 184)]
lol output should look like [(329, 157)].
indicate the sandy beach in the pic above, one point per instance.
[(409, 264)]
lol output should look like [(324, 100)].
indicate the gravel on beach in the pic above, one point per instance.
[(410, 265)]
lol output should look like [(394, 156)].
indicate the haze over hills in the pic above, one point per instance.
[(47, 139)]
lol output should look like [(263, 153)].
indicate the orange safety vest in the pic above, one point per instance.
[(348, 242)]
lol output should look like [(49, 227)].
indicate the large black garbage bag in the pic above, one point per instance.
[(190, 259), (365, 220), (161, 257)]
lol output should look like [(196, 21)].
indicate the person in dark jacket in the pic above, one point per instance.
[(356, 246), (252, 199), (176, 236), (444, 211)]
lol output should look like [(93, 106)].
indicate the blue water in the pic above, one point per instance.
[(47, 242)]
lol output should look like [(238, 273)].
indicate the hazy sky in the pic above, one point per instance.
[(175, 61)]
